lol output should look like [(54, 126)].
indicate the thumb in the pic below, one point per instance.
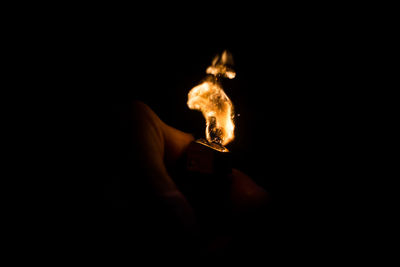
[(175, 142)]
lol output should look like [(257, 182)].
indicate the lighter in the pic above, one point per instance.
[(208, 158)]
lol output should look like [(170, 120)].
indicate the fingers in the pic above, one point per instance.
[(154, 140), (157, 143), (175, 142), (246, 195), (148, 148)]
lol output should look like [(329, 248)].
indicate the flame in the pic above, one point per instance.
[(209, 98)]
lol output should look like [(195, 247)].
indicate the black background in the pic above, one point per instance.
[(301, 90), (295, 91), (292, 94)]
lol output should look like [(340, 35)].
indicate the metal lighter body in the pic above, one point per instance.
[(208, 158)]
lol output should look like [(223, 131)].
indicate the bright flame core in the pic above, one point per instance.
[(209, 98)]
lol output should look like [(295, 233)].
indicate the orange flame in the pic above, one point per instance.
[(209, 98)]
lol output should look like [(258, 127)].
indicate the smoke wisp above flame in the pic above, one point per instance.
[(216, 107)]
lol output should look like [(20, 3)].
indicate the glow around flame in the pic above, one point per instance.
[(209, 98)]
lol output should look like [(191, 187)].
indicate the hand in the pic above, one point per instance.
[(156, 146)]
